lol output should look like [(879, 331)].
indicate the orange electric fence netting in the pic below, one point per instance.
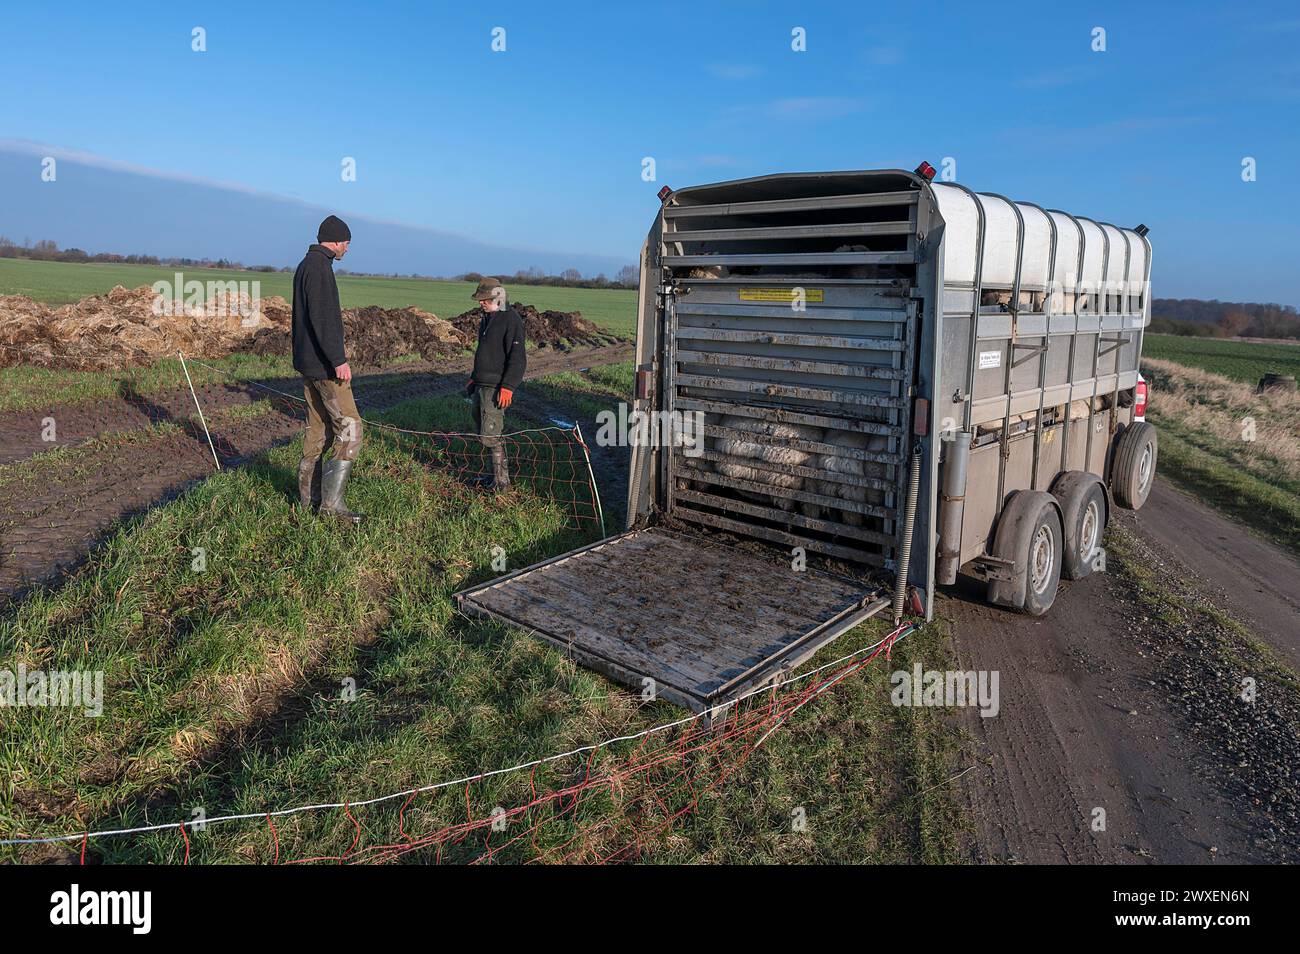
[(553, 461), (620, 809)]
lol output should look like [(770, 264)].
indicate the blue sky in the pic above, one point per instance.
[(541, 146)]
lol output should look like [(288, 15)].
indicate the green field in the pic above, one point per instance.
[(1244, 361), (62, 282)]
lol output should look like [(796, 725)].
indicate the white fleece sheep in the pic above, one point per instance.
[(767, 453), (849, 467)]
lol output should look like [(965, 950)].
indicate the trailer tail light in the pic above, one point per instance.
[(1140, 399), (921, 417), (925, 171), (643, 385)]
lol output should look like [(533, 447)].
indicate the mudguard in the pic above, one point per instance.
[(1011, 542)]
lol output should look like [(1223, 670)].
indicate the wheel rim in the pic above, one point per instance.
[(1144, 469), (1088, 530), (1042, 557)]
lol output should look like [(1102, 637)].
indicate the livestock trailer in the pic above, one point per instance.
[(894, 379)]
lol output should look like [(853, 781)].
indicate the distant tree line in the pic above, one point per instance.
[(629, 276), (1223, 319), (47, 251)]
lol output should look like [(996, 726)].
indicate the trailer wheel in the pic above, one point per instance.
[(1133, 470), (1030, 543), (1084, 516)]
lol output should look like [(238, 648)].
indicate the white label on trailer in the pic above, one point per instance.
[(990, 359)]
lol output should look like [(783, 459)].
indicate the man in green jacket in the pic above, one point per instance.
[(499, 362)]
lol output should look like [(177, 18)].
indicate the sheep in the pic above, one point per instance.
[(849, 467), (767, 453)]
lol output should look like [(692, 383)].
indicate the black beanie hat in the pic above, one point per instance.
[(333, 229)]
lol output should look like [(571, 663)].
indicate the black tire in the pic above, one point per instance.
[(1029, 537), (1084, 516), (1043, 563), (1133, 469)]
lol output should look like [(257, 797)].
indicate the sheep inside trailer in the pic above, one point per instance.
[(848, 344)]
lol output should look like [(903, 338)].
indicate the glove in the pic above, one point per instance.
[(504, 397), (469, 388)]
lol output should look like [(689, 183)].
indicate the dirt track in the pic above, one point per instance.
[(48, 524), (1254, 579), (1096, 711)]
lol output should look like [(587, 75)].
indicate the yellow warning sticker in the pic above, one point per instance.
[(782, 294)]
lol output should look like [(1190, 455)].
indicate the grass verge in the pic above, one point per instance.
[(1236, 449), (1270, 510), (306, 663)]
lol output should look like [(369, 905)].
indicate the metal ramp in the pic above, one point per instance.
[(704, 620)]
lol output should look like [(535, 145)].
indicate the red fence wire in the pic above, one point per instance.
[(650, 788)]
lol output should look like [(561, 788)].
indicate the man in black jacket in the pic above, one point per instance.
[(319, 357), (499, 361)]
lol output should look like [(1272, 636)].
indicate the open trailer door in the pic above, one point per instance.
[(707, 621)]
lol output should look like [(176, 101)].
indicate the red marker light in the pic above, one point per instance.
[(664, 193), (925, 171)]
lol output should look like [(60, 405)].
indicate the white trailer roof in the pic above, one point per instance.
[(983, 234), (986, 233)]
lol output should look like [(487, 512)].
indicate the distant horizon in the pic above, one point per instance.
[(184, 261)]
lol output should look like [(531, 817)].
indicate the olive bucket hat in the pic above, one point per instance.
[(487, 288)]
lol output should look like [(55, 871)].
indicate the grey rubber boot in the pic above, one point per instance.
[(500, 470), (309, 479), (334, 481)]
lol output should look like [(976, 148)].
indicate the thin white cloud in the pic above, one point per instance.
[(1274, 26), (687, 165), (734, 71), (1087, 136), (885, 55), (714, 160), (807, 108), (1052, 79)]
